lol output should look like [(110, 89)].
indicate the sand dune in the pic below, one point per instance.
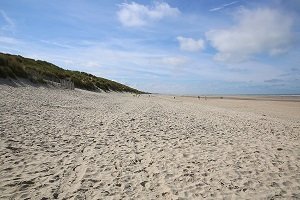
[(60, 144)]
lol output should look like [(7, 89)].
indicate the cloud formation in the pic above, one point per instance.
[(262, 30), (274, 80), (9, 23), (135, 14), (175, 61), (8, 40), (190, 44), (223, 6)]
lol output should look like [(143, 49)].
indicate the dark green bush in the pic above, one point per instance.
[(18, 70), (10, 73), (33, 80), (3, 73), (41, 80), (3, 61), (102, 86)]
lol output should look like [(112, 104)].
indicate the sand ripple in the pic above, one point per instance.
[(59, 144)]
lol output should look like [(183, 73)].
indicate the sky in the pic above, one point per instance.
[(186, 47)]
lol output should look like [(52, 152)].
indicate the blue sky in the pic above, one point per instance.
[(171, 46)]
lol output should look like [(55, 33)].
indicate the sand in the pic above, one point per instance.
[(62, 144)]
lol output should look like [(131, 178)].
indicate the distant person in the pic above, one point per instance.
[(174, 97), (198, 97)]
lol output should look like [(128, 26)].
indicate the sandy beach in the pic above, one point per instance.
[(64, 144)]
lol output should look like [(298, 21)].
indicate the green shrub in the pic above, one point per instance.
[(102, 86), (3, 73), (88, 85), (3, 61), (41, 80), (10, 73), (19, 71), (33, 80)]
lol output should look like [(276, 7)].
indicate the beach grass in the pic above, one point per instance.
[(15, 66)]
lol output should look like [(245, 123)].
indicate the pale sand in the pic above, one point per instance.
[(60, 144)]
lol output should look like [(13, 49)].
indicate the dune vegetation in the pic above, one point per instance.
[(37, 71)]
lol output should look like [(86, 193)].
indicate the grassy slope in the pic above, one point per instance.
[(37, 71)]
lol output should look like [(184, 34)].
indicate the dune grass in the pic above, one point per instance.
[(15, 66)]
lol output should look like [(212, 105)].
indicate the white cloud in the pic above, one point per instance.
[(190, 44), (9, 40), (261, 30), (223, 6), (9, 23), (56, 44), (135, 14), (175, 61)]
